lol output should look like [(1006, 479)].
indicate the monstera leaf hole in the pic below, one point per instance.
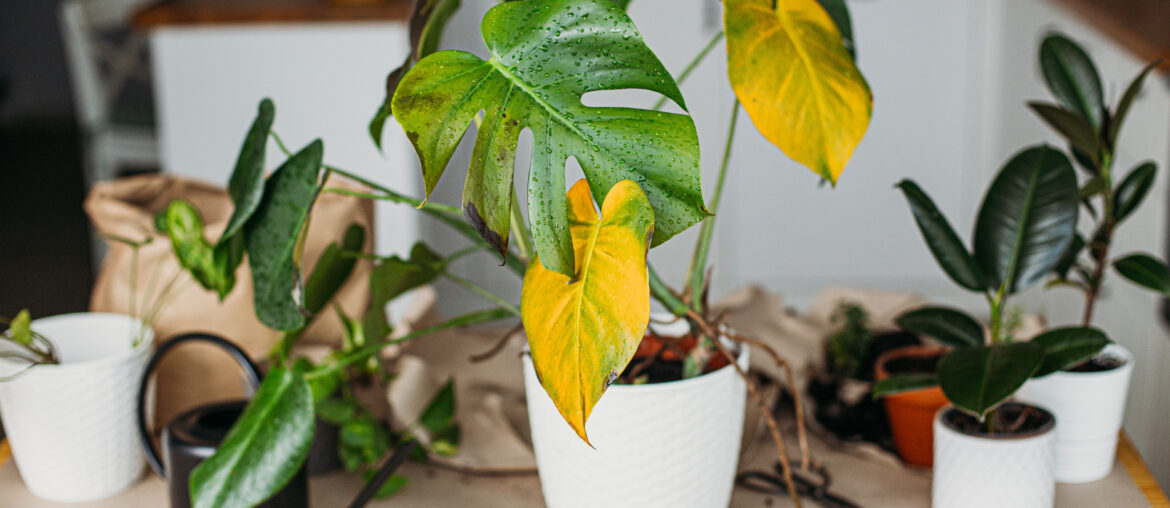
[(643, 99), (545, 56)]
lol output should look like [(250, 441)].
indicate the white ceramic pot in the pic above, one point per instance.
[(1089, 407), (72, 426), (657, 445), (982, 471)]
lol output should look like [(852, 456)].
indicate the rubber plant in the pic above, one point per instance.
[(1093, 130), (586, 282), (1026, 222)]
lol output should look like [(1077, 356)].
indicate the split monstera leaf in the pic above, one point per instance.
[(790, 64)]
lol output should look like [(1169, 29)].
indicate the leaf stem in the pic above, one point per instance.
[(691, 66), (664, 294), (482, 291), (1105, 233), (696, 278), (482, 316), (520, 229)]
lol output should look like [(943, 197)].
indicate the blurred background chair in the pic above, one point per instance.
[(109, 68)]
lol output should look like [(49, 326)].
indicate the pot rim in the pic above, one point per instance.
[(112, 360), (677, 385), (1048, 428), (879, 365), (1112, 349)]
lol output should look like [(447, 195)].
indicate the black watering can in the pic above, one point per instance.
[(194, 435)]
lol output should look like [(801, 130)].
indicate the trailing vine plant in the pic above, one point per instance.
[(581, 254)]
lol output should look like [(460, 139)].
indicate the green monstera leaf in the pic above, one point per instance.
[(546, 54)]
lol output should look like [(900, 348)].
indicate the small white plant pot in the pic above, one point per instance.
[(984, 471), (657, 445), (1089, 407), (72, 426)]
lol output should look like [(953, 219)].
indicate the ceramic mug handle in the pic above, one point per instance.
[(252, 377)]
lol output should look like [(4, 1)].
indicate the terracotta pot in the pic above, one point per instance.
[(911, 413)]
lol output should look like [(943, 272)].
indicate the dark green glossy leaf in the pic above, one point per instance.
[(246, 185), (1028, 218), (1133, 190), (949, 326), (440, 413), (545, 56), (264, 449), (336, 411), (1146, 271), (1085, 161), (271, 237), (1126, 102), (1065, 347), (333, 269), (944, 244), (213, 267), (978, 379), (623, 4), (903, 383), (428, 20), (1069, 258), (394, 277), (839, 11), (1074, 127), (1092, 188), (393, 484), (1072, 78)]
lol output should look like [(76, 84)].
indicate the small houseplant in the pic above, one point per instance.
[(987, 451), (586, 298), (1089, 398), (67, 386)]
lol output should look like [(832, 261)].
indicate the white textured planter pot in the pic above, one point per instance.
[(1089, 407), (983, 472), (72, 426), (657, 445)]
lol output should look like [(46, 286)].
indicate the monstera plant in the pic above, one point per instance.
[(587, 287)]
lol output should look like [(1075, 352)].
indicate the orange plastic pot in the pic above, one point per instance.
[(911, 413)]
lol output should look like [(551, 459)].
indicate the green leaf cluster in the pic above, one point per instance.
[(1083, 118), (1025, 225)]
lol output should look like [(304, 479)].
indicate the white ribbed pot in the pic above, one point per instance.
[(1089, 407), (984, 471), (656, 445), (72, 426)]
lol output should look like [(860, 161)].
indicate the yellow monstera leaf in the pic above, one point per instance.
[(791, 71), (583, 332)]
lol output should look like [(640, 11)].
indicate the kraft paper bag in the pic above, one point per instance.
[(197, 374)]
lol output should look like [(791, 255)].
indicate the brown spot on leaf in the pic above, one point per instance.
[(493, 238)]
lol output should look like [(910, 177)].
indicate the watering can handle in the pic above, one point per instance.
[(252, 376)]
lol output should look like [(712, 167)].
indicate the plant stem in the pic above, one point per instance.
[(691, 66), (482, 291), (664, 294), (520, 229), (371, 349), (696, 278), (1105, 233)]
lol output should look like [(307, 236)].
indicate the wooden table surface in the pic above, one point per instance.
[(205, 12)]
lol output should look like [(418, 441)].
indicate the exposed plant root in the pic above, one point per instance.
[(806, 461), (773, 426), (499, 345)]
